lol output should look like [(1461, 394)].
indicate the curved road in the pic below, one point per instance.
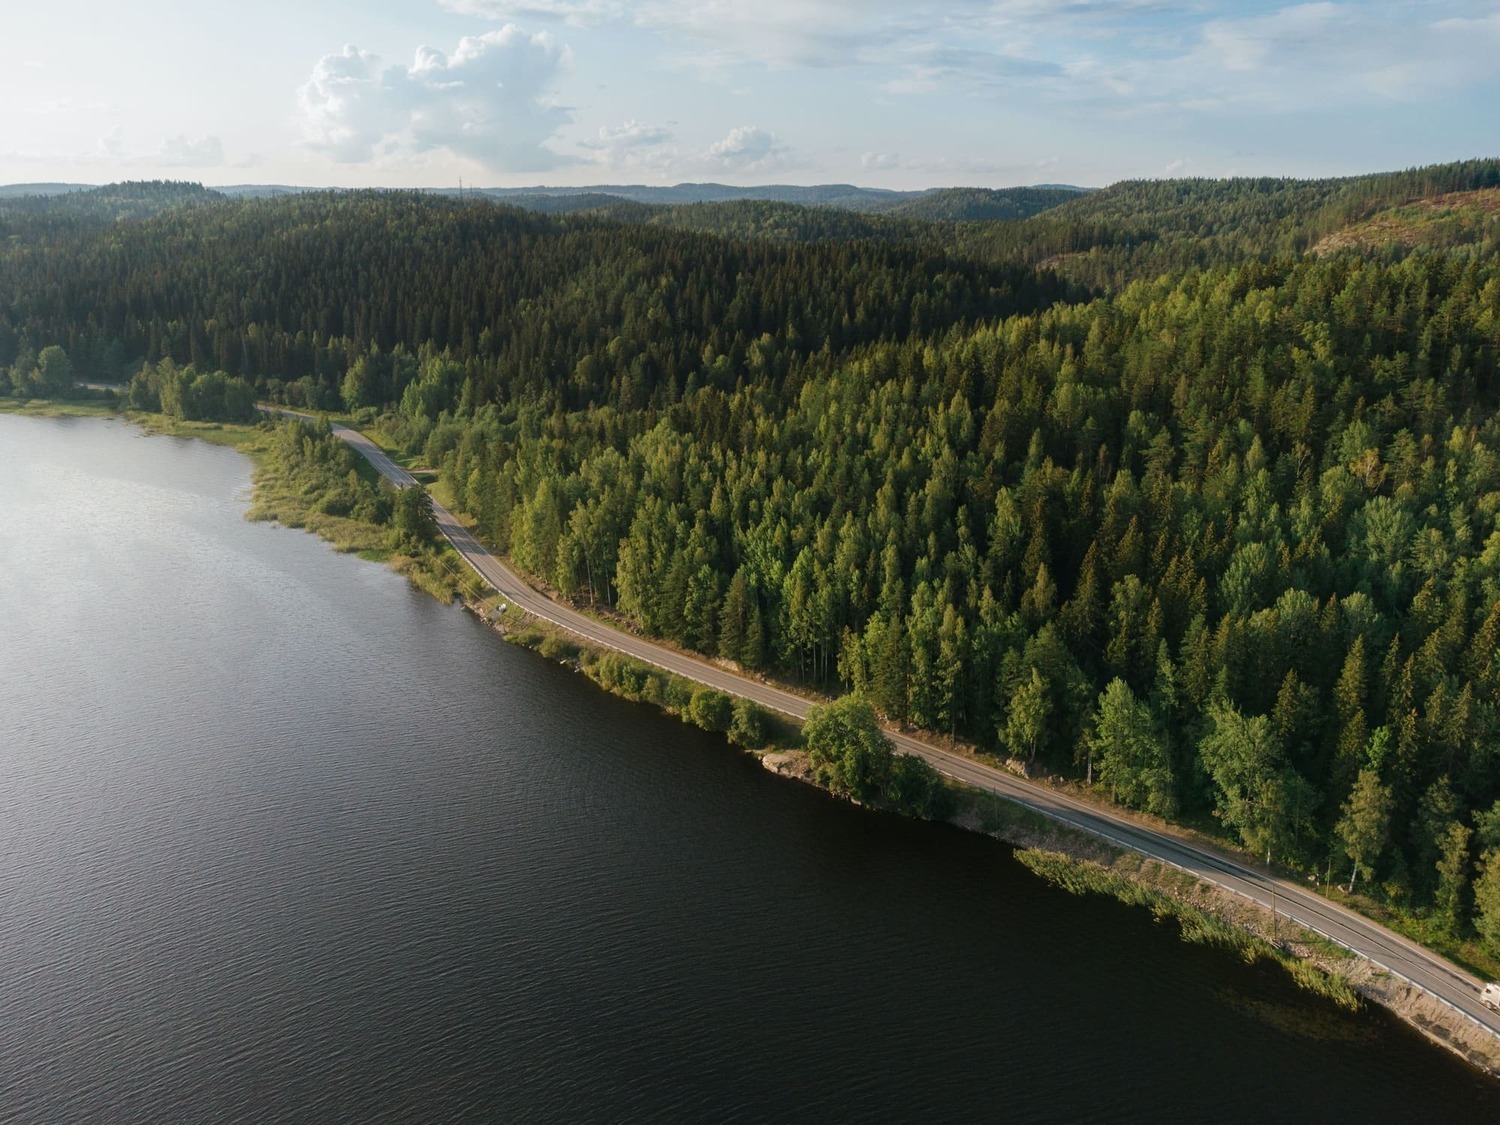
[(1369, 939)]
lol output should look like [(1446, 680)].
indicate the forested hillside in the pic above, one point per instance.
[(308, 289), (1219, 532), (1146, 228)]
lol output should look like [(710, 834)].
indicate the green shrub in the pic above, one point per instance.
[(916, 789), (749, 725), (554, 647), (710, 709)]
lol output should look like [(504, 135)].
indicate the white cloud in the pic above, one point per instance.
[(1315, 55), (635, 149), (489, 101), (1198, 55), (747, 148), (182, 152), (343, 111), (632, 134)]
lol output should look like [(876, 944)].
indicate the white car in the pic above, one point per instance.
[(1489, 995)]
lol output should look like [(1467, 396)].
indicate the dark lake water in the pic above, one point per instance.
[(281, 838)]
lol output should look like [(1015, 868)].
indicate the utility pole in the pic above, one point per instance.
[(1273, 913)]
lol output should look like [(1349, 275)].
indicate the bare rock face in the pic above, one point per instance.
[(788, 763)]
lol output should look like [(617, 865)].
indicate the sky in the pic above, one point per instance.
[(883, 93)]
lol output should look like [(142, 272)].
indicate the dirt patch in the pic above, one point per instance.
[(1453, 217)]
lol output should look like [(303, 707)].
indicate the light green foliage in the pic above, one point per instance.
[(186, 394), (1452, 871), (1487, 900), (1365, 824), (1132, 754), (848, 750), (711, 710), (46, 374), (1262, 799), (1026, 719), (54, 372)]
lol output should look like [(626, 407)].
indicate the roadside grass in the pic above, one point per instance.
[(742, 722), (1428, 931), (1165, 896), (994, 815)]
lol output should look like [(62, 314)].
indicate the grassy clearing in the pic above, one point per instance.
[(311, 480), (49, 408), (248, 439)]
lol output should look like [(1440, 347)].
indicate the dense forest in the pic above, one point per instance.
[(1200, 516)]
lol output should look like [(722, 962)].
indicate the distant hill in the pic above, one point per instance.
[(614, 206), (962, 205), (137, 199), (7, 191), (1145, 228), (818, 195), (263, 191), (944, 203), (834, 211)]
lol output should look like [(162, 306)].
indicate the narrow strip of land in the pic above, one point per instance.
[(1389, 950)]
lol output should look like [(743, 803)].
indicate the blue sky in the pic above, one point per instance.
[(893, 93)]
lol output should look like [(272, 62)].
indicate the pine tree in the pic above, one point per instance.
[(1453, 872)]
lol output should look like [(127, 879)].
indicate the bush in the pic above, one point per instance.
[(711, 710), (849, 752), (674, 693), (917, 789), (749, 725), (851, 755), (622, 675), (556, 648)]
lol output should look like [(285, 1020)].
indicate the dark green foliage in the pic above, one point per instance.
[(984, 204), (1250, 496), (413, 521), (849, 752), (749, 726), (291, 292), (186, 394), (1146, 228), (852, 756)]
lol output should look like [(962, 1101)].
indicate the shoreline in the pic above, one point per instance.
[(1080, 863), (1069, 857)]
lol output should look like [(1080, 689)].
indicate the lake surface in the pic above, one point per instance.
[(283, 838)]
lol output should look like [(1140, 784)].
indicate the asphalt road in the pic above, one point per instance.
[(1389, 950)]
